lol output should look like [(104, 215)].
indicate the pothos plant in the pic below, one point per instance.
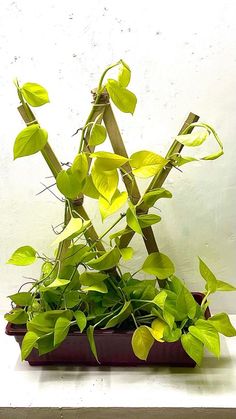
[(84, 283)]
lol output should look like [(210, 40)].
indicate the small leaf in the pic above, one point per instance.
[(17, 316), (207, 334), (159, 265), (91, 278), (74, 227), (151, 197), (213, 156), (171, 335), (61, 330), (28, 343), (46, 343), (124, 74), (105, 182), (127, 253), (142, 341), (157, 329), (121, 316), (69, 183), (106, 209), (97, 135), (29, 141), (193, 346), (57, 283), (146, 163), (89, 188), (194, 139), (72, 298), (224, 286), (123, 98), (90, 336), (186, 303), (107, 261), (99, 287), (222, 324), (146, 220), (80, 165), (76, 254), (21, 298), (180, 161), (34, 94), (160, 299), (211, 282), (80, 320), (23, 256), (106, 161), (132, 219)]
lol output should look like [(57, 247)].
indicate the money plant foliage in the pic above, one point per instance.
[(84, 282)]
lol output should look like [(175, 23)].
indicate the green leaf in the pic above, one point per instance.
[(28, 343), (160, 299), (123, 98), (211, 282), (73, 228), (151, 197), (121, 316), (61, 330), (91, 278), (23, 256), (186, 303), (124, 74), (29, 141), (46, 343), (180, 161), (17, 316), (72, 298), (146, 163), (57, 283), (157, 329), (45, 322), (142, 341), (194, 139), (132, 219), (105, 182), (127, 253), (107, 261), (146, 220), (69, 183), (80, 165), (21, 298), (97, 135), (193, 346), (207, 334), (34, 94), (106, 161), (224, 286), (97, 287), (89, 188), (213, 156), (171, 335), (106, 209), (159, 265), (76, 254), (90, 336), (80, 320), (222, 324)]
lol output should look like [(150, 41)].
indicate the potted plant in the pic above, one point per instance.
[(84, 296)]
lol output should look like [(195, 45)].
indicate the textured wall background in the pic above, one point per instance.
[(183, 59)]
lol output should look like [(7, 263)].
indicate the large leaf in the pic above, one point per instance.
[(72, 298), (89, 188), (77, 253), (106, 161), (159, 265), (121, 316), (58, 282), (107, 261), (123, 98), (17, 316), (80, 165), (69, 183), (124, 74), (193, 346), (194, 139), (142, 341), (28, 343), (73, 228), (211, 282), (21, 298), (97, 135), (146, 163), (151, 197), (207, 334), (146, 220), (186, 303), (46, 343), (160, 299), (90, 336), (29, 141), (106, 209), (80, 319), (222, 324), (91, 278), (23, 256), (61, 330), (105, 182), (45, 322), (132, 219), (157, 329), (34, 94)]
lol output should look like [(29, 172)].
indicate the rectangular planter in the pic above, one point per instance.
[(113, 348)]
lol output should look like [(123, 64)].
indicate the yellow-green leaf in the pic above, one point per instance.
[(207, 334), (159, 265), (69, 183), (29, 141), (151, 197), (34, 94), (61, 330), (193, 347), (90, 336), (123, 98), (224, 286), (97, 135), (108, 161), (142, 341), (211, 282), (91, 278), (127, 253), (74, 227), (57, 283), (146, 163), (21, 298), (28, 343), (124, 74), (105, 182), (17, 316), (81, 320), (146, 220), (80, 165), (89, 188), (194, 139), (121, 316), (107, 261), (24, 255), (99, 287), (222, 324), (106, 209), (157, 329)]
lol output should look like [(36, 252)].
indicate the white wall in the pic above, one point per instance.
[(183, 59)]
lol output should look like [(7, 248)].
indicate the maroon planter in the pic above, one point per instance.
[(113, 348)]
